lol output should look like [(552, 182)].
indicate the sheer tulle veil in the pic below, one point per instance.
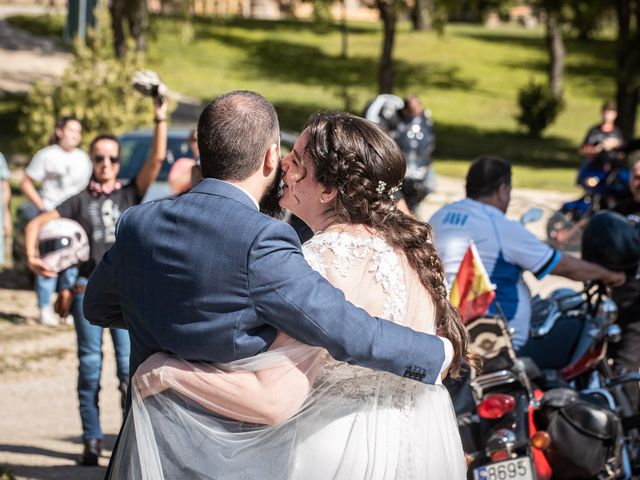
[(293, 412)]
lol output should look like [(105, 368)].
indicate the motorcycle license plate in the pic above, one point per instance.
[(514, 469)]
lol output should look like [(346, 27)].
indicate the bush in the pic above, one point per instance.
[(95, 88), (538, 108)]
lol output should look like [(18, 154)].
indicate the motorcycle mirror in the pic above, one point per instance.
[(531, 215)]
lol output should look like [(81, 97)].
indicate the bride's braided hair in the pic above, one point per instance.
[(364, 164)]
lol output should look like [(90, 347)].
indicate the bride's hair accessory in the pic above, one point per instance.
[(382, 187)]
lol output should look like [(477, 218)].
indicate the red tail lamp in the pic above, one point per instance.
[(500, 455), (496, 406)]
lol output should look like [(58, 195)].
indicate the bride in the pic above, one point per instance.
[(293, 412)]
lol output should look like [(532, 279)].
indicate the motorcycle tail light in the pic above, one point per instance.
[(495, 406), (500, 455), (541, 440)]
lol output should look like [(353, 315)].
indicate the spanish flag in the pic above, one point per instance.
[(472, 292)]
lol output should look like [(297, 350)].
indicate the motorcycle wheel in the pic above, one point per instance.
[(563, 232)]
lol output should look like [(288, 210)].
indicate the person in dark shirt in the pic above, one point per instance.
[(97, 209), (415, 136), (602, 140)]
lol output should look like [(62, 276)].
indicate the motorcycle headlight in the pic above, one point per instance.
[(591, 182)]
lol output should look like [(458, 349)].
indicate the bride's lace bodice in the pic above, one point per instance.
[(356, 260), (375, 277)]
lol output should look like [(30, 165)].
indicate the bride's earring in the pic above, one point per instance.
[(321, 200)]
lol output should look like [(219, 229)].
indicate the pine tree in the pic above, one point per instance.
[(95, 88)]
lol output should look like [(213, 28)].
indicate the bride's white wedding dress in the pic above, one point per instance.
[(330, 420)]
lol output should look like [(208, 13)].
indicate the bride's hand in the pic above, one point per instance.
[(149, 376)]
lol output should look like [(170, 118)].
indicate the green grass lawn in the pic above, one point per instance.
[(468, 78)]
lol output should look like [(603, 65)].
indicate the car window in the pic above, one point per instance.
[(135, 150)]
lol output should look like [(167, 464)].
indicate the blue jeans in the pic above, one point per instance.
[(90, 367), (46, 286)]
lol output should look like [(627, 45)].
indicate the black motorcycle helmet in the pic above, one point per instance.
[(612, 241)]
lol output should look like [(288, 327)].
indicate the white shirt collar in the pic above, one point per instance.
[(253, 199)]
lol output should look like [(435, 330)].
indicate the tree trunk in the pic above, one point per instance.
[(344, 30), (627, 66), (385, 71), (417, 16), (117, 13), (557, 53), (138, 18)]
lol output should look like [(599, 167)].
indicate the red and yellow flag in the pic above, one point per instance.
[(472, 291)]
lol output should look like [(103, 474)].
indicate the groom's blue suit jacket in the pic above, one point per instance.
[(207, 277)]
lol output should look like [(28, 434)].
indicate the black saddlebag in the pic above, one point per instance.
[(585, 433)]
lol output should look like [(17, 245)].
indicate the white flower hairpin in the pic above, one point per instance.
[(382, 187)]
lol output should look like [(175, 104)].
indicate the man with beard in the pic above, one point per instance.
[(207, 277)]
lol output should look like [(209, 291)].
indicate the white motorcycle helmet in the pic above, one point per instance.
[(63, 243)]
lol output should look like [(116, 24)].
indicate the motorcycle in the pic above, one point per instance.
[(495, 408), (499, 436), (559, 410), (605, 183), (570, 337), (602, 190), (570, 333), (415, 137)]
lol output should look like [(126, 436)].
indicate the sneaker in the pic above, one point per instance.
[(91, 453), (68, 320), (48, 317)]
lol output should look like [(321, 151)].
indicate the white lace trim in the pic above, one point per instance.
[(348, 250)]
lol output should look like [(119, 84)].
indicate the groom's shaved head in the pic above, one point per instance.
[(234, 132)]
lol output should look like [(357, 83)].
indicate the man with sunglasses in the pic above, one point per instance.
[(97, 209)]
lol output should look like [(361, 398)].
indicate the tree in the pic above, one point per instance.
[(388, 15), (95, 88), (555, 46), (136, 16), (628, 64)]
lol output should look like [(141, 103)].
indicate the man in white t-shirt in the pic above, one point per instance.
[(62, 170), (505, 246)]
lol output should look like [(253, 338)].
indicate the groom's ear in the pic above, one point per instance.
[(271, 159)]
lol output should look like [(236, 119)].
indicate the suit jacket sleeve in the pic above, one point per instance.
[(101, 304), (289, 295)]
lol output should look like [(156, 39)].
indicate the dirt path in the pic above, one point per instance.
[(25, 58)]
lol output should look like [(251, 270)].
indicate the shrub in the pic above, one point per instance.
[(538, 108), (95, 88)]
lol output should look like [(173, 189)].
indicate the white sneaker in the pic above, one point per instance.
[(48, 317), (68, 320)]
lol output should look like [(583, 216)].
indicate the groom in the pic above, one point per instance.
[(207, 277)]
